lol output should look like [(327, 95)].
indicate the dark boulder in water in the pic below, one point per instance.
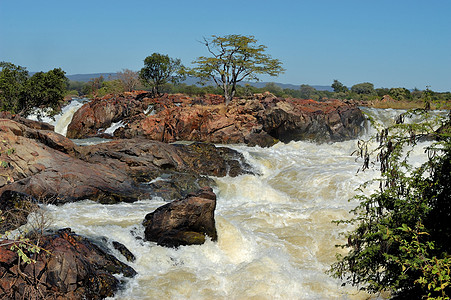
[(183, 222)]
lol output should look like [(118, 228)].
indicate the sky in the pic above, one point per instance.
[(395, 43)]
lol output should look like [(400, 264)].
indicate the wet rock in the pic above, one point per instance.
[(96, 116), (124, 251), (33, 168), (171, 186), (71, 268), (183, 222), (50, 167)]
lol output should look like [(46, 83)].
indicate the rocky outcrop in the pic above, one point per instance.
[(332, 120), (29, 123), (168, 171), (49, 166), (70, 267), (183, 222), (250, 121), (94, 117), (36, 169)]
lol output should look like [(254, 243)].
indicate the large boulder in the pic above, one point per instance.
[(71, 267), (183, 222)]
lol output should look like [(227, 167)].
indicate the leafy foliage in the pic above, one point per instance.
[(20, 93), (402, 236), (363, 88), (160, 69), (13, 81), (234, 58), (339, 87)]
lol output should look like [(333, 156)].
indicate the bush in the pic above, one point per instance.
[(402, 236)]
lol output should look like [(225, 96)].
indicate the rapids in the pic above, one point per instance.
[(275, 236)]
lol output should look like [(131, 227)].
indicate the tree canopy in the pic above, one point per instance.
[(339, 87), (20, 93), (234, 58), (363, 88), (160, 69)]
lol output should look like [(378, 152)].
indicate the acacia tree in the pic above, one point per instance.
[(234, 58), (160, 69)]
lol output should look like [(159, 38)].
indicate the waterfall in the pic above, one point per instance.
[(275, 236), (63, 119)]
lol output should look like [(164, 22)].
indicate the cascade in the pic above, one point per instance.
[(275, 236)]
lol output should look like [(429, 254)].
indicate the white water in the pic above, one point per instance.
[(275, 236), (62, 120)]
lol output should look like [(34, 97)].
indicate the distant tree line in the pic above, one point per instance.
[(361, 91)]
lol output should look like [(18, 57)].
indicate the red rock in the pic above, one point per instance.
[(96, 116)]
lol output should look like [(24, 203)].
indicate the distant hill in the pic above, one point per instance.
[(193, 81), (87, 77)]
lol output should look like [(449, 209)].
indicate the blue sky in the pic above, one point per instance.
[(392, 43)]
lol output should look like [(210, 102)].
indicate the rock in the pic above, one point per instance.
[(169, 171), (262, 121), (124, 251), (38, 170), (183, 222), (298, 119), (29, 123), (71, 268), (49, 166), (96, 116)]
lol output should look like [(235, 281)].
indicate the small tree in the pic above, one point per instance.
[(234, 58), (45, 89), (20, 93), (363, 88), (160, 69), (307, 91), (12, 86), (339, 87), (129, 79)]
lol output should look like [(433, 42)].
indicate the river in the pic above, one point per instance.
[(275, 236)]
